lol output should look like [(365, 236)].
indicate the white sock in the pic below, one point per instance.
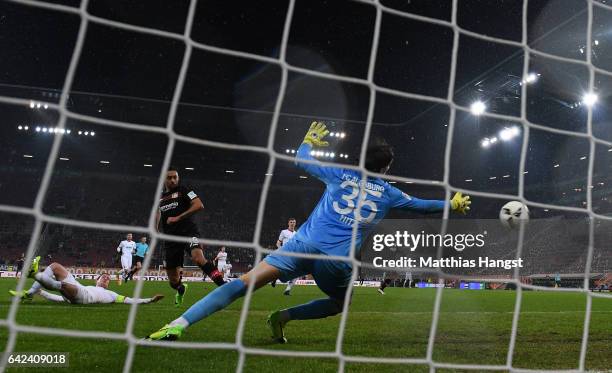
[(289, 286), (51, 297), (35, 288), (180, 321), (36, 285), (48, 281)]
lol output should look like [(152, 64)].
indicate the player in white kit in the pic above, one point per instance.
[(221, 259), (227, 270), (284, 237), (56, 277), (126, 249)]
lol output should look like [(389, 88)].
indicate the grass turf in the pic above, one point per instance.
[(474, 328)]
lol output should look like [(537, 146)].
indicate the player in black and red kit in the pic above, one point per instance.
[(176, 207)]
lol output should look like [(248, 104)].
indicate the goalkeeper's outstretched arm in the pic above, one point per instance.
[(459, 203), (314, 138)]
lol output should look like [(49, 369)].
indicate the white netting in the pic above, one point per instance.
[(64, 114)]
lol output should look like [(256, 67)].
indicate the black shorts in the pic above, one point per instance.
[(137, 259), (174, 252)]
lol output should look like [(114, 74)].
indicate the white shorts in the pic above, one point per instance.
[(82, 296), (221, 266), (126, 262)]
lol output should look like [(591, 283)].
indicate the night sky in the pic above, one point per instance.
[(130, 77)]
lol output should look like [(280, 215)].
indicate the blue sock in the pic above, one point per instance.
[(217, 300), (317, 309)]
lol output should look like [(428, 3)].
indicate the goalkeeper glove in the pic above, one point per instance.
[(315, 135), (460, 203)]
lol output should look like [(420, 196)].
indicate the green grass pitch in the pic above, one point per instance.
[(474, 328)]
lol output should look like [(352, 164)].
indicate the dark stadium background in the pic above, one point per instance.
[(130, 77)]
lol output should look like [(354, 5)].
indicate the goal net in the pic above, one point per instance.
[(267, 148)]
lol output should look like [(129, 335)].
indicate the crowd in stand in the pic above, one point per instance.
[(230, 214)]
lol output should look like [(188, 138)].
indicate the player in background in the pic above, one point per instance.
[(328, 231), (408, 279), (57, 278), (221, 259), (126, 249), (383, 284), (138, 258), (284, 237), (227, 271), (19, 265), (177, 206)]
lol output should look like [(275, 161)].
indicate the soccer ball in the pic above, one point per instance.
[(512, 213)]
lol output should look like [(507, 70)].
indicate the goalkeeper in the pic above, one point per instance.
[(327, 231)]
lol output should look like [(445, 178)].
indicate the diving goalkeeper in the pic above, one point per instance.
[(327, 231), (56, 277)]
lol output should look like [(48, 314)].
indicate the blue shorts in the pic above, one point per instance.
[(331, 276)]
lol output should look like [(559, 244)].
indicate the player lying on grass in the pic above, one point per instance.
[(327, 231), (56, 277)]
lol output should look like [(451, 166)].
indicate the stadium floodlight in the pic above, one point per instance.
[(493, 178), (44, 129), (189, 168), (28, 156), (313, 153), (342, 135), (38, 105), (596, 42), (62, 131), (148, 165), (493, 140), (583, 158), (506, 176), (32, 104), (556, 165), (68, 131), (303, 177), (37, 129), (26, 128), (92, 133), (86, 133), (229, 171), (20, 127), (332, 154), (531, 78), (46, 106), (485, 143), (64, 159), (478, 108), (332, 134), (589, 99), (327, 154), (80, 132), (286, 150), (468, 180), (268, 174), (508, 133), (105, 162)]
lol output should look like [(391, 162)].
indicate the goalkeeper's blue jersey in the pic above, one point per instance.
[(329, 227)]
